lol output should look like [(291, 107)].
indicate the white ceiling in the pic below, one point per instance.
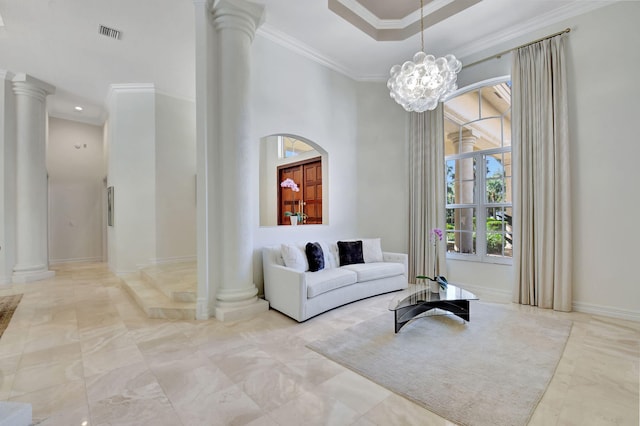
[(57, 41)]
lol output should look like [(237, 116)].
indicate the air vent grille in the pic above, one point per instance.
[(109, 32)]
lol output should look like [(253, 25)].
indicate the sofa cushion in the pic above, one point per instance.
[(294, 257), (350, 252), (327, 280), (371, 250), (315, 256), (374, 271)]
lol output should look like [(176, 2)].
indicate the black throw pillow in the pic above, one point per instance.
[(350, 252), (315, 256)]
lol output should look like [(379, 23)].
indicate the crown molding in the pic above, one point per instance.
[(392, 24), (133, 87), (563, 13), (271, 33), (566, 12), (94, 121)]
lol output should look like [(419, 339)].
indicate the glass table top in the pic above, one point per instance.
[(421, 293)]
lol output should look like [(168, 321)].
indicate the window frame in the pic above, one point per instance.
[(480, 191)]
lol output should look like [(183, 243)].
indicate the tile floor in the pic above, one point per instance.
[(82, 353)]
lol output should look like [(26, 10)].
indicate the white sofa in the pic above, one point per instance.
[(301, 294)]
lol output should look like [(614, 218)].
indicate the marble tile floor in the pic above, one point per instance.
[(83, 353)]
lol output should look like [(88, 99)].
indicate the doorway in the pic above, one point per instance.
[(307, 202)]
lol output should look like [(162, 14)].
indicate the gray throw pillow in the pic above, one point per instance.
[(350, 252), (315, 256)]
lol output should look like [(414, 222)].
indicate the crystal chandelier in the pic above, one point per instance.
[(419, 85)]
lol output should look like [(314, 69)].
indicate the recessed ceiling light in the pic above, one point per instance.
[(78, 108)]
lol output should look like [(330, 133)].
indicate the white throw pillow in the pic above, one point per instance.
[(294, 257), (371, 250), (329, 256)]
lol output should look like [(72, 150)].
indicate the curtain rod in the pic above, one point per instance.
[(498, 55)]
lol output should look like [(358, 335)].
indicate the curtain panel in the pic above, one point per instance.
[(426, 190), (542, 256)]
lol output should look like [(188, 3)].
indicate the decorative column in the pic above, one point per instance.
[(235, 23), (32, 260), (464, 186)]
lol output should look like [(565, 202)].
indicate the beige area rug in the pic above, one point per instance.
[(492, 370), (8, 305)]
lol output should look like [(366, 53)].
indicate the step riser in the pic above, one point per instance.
[(165, 284), (155, 303)]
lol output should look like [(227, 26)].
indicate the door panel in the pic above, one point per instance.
[(309, 199), (313, 192)]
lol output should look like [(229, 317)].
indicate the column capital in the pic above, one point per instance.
[(6, 75), (24, 84), (467, 136), (237, 14)]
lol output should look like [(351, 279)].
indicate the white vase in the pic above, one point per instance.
[(294, 220)]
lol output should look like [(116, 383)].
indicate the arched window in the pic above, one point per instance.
[(478, 173)]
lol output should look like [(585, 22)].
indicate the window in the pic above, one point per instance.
[(290, 147), (478, 174)]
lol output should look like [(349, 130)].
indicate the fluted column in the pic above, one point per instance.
[(32, 261), (235, 23), (464, 187)]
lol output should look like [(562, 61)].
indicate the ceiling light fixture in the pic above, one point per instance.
[(78, 108), (419, 85)]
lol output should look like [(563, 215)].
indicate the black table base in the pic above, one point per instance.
[(459, 308)]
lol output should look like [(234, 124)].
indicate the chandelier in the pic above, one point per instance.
[(420, 84)]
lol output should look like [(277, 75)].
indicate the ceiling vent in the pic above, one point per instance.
[(109, 32)]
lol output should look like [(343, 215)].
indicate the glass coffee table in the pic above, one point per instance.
[(418, 299)]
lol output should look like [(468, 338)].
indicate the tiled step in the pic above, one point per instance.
[(154, 302), (177, 281)]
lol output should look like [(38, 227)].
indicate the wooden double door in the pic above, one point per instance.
[(308, 176)]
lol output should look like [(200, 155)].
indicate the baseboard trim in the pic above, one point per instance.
[(121, 274), (169, 260), (607, 311), (75, 260), (490, 293), (586, 308)]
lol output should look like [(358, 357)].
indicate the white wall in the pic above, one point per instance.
[(176, 179), (7, 178), (602, 63), (294, 95), (606, 151), (151, 149), (75, 163), (267, 180), (131, 171), (382, 180)]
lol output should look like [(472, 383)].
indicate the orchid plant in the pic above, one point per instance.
[(435, 236), (290, 183)]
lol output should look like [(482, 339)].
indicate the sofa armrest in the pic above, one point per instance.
[(397, 258), (286, 290)]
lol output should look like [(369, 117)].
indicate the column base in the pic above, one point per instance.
[(30, 276), (202, 309), (244, 311)]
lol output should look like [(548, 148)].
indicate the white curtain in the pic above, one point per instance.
[(426, 190), (542, 255)]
